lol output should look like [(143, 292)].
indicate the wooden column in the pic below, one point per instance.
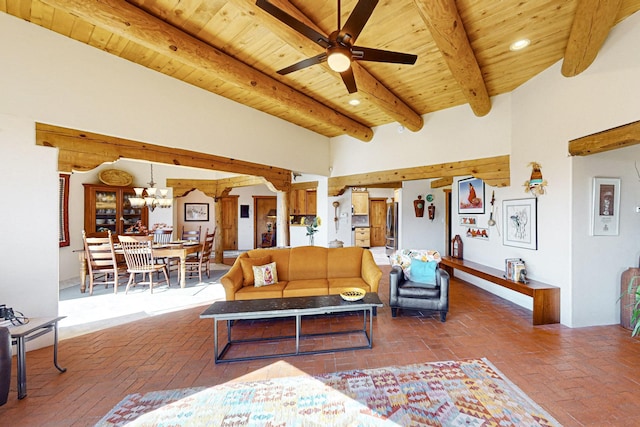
[(217, 244), (282, 221)]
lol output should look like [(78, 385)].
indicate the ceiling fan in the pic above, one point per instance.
[(340, 49)]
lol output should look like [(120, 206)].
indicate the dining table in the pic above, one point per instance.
[(177, 249)]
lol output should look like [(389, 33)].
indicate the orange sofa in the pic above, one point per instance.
[(303, 271)]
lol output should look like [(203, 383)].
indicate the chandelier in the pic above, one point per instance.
[(150, 197)]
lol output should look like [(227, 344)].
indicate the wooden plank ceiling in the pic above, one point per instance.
[(233, 48)]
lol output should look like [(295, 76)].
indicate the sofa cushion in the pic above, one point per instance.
[(279, 256), (344, 262), (423, 272), (306, 288), (265, 275), (251, 292), (418, 290), (337, 286), (247, 264), (308, 262)]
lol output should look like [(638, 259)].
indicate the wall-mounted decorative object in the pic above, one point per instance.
[(536, 184), (336, 219), (418, 207), (471, 196), (196, 211), (520, 218), (492, 221), (478, 233), (468, 220), (63, 218), (432, 211), (605, 212), (244, 211), (115, 177)]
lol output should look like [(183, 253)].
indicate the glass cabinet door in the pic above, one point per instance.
[(106, 208), (130, 215)]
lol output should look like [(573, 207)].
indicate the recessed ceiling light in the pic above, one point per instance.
[(520, 44), (354, 102)]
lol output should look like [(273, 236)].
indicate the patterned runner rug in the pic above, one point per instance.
[(456, 393)]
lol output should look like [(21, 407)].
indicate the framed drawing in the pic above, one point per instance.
[(520, 219), (605, 217), (63, 218), (471, 196), (196, 211)]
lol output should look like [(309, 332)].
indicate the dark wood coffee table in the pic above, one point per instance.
[(296, 307)]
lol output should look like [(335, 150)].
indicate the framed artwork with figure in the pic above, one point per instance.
[(471, 196), (605, 216)]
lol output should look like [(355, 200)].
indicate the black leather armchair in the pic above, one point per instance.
[(410, 295)]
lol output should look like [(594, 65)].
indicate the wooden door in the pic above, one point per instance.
[(378, 221), (229, 221), (261, 207)]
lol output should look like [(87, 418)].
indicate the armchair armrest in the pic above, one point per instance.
[(442, 279), (396, 278)]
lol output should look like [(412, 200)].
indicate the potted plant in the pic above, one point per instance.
[(634, 292)]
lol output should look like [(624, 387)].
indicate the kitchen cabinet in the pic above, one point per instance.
[(108, 208), (360, 202), (362, 237), (302, 202)]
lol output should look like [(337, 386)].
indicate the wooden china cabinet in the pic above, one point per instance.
[(108, 208)]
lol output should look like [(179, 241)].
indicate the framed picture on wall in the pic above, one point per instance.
[(196, 211), (605, 211), (471, 196), (520, 219), (63, 218)]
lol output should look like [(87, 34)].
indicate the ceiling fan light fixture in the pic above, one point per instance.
[(339, 58), (355, 102)]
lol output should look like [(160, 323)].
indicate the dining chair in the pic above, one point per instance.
[(162, 236), (102, 261), (138, 253), (191, 234), (202, 262)]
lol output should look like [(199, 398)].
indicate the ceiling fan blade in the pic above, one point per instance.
[(377, 55), (304, 64), (357, 20), (349, 80), (292, 22)]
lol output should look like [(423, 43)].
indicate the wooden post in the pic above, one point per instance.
[(217, 244)]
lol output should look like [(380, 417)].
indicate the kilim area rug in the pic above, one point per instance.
[(456, 393)]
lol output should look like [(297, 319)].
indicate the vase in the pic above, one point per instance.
[(311, 240)]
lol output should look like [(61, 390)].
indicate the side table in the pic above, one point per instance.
[(22, 334)]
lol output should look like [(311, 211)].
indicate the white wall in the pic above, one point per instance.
[(420, 232), (29, 272)]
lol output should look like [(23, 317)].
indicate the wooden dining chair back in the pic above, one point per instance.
[(101, 261), (191, 234), (162, 236), (202, 263), (138, 253)]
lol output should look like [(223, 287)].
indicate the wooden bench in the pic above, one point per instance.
[(546, 298)]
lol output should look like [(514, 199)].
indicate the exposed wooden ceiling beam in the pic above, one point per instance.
[(607, 140), (591, 25), (442, 182), (126, 20), (83, 151), (494, 171), (444, 23), (369, 88), (309, 185), (215, 188)]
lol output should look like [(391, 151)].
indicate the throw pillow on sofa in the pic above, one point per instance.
[(423, 272), (265, 275), (247, 265)]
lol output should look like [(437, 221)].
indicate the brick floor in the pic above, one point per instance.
[(583, 376)]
